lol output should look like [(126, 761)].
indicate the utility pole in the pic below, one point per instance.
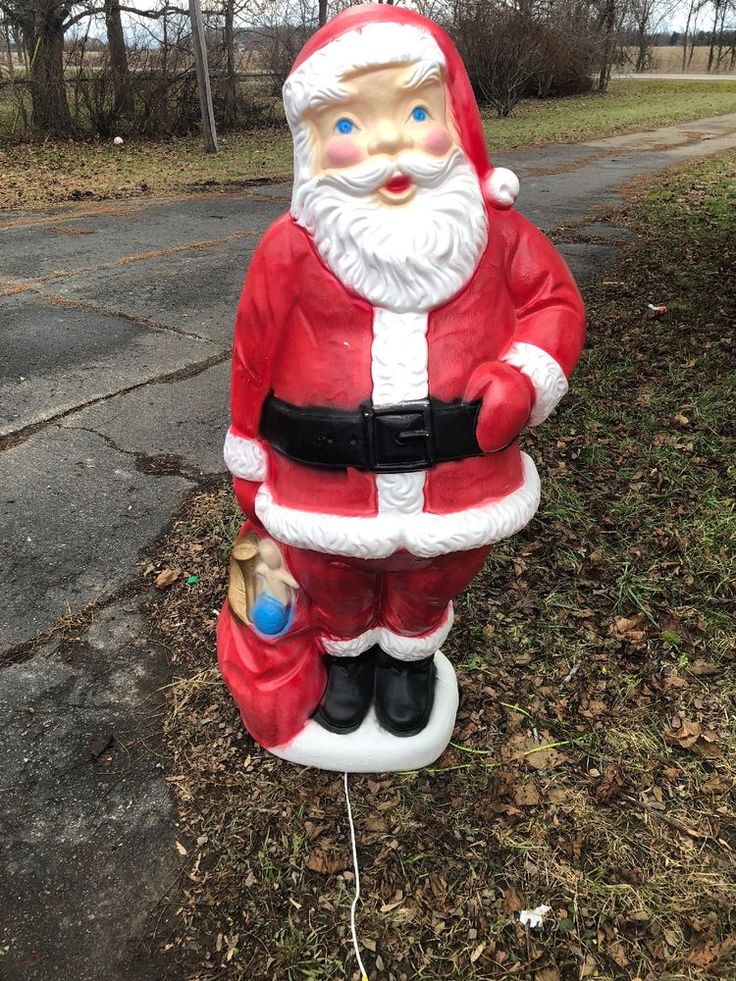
[(203, 77)]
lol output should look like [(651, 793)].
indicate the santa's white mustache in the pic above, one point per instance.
[(364, 178)]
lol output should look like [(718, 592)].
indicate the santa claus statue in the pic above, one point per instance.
[(398, 329)]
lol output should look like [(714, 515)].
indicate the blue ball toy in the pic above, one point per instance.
[(270, 616)]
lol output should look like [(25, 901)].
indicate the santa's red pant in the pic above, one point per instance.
[(344, 607), (401, 602)]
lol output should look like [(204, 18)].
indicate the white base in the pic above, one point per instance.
[(372, 749)]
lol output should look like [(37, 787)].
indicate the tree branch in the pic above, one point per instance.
[(151, 14)]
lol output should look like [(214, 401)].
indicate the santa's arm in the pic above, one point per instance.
[(255, 336), (550, 317)]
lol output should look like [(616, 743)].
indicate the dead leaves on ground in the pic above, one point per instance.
[(693, 736), (537, 754)]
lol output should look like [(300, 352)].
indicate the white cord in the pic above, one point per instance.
[(354, 904)]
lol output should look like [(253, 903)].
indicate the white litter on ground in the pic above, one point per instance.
[(534, 918)]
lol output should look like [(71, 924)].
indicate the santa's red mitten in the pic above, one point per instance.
[(508, 397), (245, 491)]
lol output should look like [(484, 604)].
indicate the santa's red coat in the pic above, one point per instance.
[(301, 335)]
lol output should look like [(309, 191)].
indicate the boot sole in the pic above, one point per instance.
[(330, 726), (414, 731)]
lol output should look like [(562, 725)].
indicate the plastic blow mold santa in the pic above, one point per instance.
[(398, 329)]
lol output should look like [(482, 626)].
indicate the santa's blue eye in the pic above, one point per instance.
[(344, 126), (419, 114)]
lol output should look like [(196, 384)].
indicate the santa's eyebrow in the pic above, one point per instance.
[(328, 97), (423, 72)]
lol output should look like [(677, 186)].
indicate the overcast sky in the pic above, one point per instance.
[(674, 20)]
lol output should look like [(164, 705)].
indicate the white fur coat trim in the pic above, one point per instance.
[(245, 458), (545, 374), (424, 534)]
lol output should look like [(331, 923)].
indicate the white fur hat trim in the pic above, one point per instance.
[(501, 187)]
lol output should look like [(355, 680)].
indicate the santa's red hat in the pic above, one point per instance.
[(370, 35)]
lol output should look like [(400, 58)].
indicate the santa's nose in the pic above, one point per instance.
[(388, 138)]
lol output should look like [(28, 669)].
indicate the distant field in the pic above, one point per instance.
[(668, 61), (44, 172)]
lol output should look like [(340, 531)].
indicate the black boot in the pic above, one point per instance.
[(349, 692), (404, 694)]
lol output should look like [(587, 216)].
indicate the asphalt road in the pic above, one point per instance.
[(115, 327)]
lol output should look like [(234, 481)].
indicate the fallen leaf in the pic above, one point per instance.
[(709, 952), (477, 952), (167, 578), (98, 746), (526, 795), (629, 628), (512, 900), (691, 735), (703, 668), (617, 954), (717, 783), (673, 681), (610, 785), (589, 967), (324, 863), (549, 973)]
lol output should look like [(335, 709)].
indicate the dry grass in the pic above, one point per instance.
[(34, 175), (667, 60), (606, 628)]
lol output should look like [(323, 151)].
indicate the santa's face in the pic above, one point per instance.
[(388, 111), (393, 206)]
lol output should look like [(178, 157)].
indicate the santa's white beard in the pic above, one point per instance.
[(411, 256)]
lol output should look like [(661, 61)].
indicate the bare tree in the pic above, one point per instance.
[(43, 25), (230, 101), (644, 18), (118, 56)]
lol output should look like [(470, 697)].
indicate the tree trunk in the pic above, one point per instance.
[(322, 16), (609, 19), (721, 38), (687, 30), (118, 57), (230, 109), (209, 131), (642, 56), (11, 67), (711, 52), (50, 109)]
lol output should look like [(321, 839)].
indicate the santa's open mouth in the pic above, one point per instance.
[(398, 185)]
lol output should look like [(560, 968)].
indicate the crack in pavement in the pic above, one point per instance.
[(22, 285), (18, 436), (70, 304), (153, 464), (130, 206)]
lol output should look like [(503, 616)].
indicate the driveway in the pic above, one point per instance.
[(116, 319)]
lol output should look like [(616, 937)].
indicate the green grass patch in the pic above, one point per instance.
[(34, 174), (629, 105)]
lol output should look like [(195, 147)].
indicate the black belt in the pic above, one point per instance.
[(399, 438)]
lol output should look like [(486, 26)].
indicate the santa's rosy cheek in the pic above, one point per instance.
[(436, 141), (341, 152)]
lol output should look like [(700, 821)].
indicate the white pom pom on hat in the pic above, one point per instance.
[(501, 187)]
